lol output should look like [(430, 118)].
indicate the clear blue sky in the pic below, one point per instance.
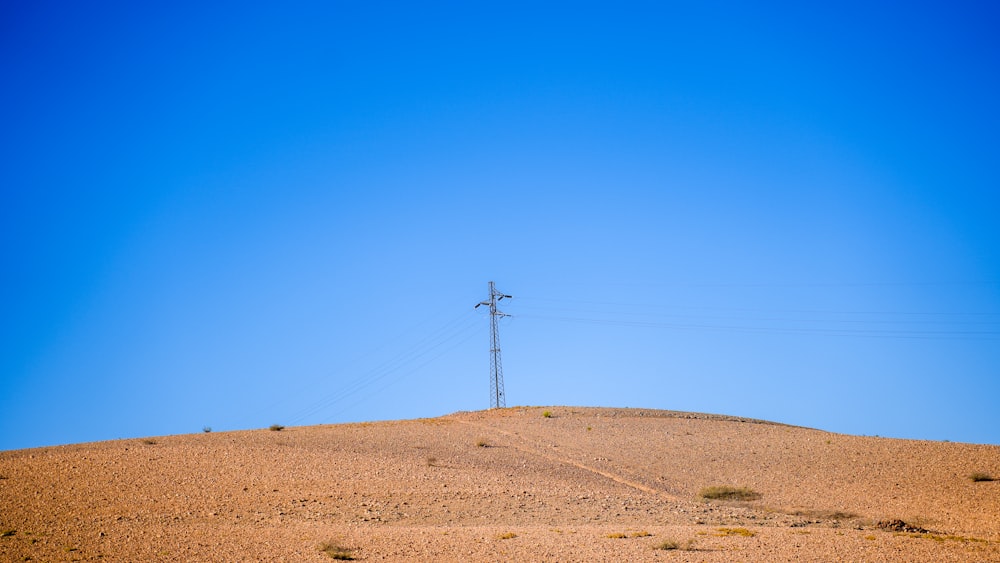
[(235, 214)]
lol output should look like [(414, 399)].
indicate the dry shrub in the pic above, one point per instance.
[(723, 532), (337, 551), (726, 492), (667, 545), (824, 514), (670, 545)]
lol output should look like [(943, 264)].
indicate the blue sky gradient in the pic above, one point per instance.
[(237, 215)]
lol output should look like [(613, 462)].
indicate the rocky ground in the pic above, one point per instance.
[(583, 484)]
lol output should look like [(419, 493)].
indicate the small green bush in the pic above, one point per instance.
[(206, 429), (547, 414), (979, 477), (276, 428)]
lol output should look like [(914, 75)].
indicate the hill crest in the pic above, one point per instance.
[(451, 487)]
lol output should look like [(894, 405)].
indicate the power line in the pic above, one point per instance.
[(866, 333), (739, 309), (410, 371), (935, 325), (918, 325), (400, 365)]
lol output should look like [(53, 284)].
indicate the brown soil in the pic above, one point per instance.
[(585, 484)]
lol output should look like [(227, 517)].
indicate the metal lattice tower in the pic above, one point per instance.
[(496, 369)]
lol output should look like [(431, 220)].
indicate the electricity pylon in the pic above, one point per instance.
[(496, 369)]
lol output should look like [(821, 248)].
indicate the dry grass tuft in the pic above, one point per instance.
[(337, 551), (940, 537), (617, 536), (670, 545), (276, 428), (507, 536), (482, 443), (728, 493), (667, 545), (979, 477), (724, 532)]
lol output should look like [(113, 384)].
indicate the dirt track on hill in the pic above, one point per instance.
[(584, 484)]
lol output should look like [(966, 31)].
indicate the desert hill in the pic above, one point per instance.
[(518, 484)]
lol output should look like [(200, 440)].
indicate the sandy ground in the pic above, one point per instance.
[(584, 484)]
